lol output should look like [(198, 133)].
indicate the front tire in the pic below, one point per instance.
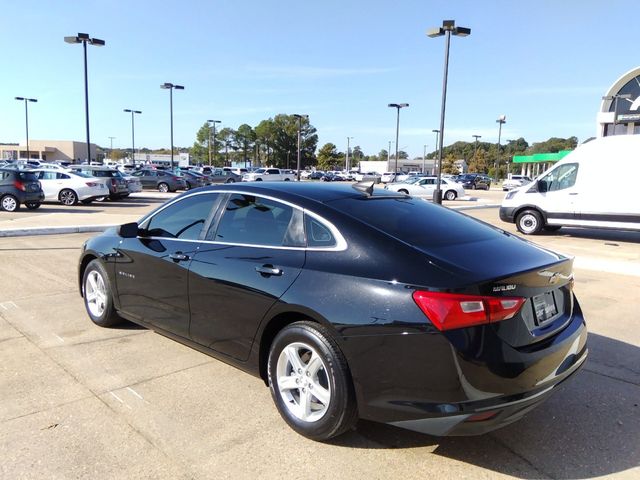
[(9, 203), (310, 382), (98, 295), (231, 180), (402, 190), (529, 222), (450, 195), (163, 187)]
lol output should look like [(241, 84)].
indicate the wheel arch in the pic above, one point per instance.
[(83, 266), (274, 325), (522, 208)]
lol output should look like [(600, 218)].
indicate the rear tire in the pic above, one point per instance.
[(9, 203), (98, 295), (450, 195), (402, 190), (68, 197), (163, 187), (529, 222), (231, 180), (310, 382)]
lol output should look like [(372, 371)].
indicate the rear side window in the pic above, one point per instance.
[(416, 221), (27, 176), (251, 220), (318, 234)]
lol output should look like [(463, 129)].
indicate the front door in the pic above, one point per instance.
[(152, 269)]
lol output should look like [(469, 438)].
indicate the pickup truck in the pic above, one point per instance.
[(269, 175)]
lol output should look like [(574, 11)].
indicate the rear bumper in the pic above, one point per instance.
[(29, 197), (462, 382)]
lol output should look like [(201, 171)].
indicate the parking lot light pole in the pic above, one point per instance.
[(26, 118), (299, 117), (502, 119), (346, 159), (475, 150), (435, 165), (448, 28), (171, 87), (424, 159), (212, 122), (397, 106), (83, 38), (133, 134)]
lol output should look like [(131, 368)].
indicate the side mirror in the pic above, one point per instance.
[(542, 186), (128, 230)]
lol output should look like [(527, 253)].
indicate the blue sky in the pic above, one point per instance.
[(544, 64)]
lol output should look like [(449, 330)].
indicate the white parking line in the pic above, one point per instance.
[(58, 337), (135, 393), (8, 305)]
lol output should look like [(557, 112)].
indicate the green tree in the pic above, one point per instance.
[(265, 137), (478, 163), (285, 141), (244, 140), (449, 164), (383, 155), (200, 150), (225, 137), (327, 156)]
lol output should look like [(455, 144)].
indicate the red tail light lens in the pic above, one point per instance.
[(449, 310), (91, 184), (19, 185), (114, 182)]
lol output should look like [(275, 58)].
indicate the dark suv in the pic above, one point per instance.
[(474, 181), (117, 184), (18, 187)]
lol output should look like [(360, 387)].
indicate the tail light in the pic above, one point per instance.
[(92, 184), (450, 310), (19, 185), (114, 182)]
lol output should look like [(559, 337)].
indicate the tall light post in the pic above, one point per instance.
[(171, 87), (111, 147), (397, 106), (389, 153), (346, 161), (26, 118), (299, 117), (437, 132), (475, 149), (424, 160), (212, 122), (133, 134), (448, 28), (83, 38), (502, 119)]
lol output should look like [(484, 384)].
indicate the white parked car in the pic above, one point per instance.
[(68, 188), (387, 177), (515, 181), (426, 186)]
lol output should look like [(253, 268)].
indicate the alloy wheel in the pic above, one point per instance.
[(95, 293)]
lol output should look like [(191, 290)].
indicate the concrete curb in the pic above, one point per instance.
[(475, 207), (27, 231)]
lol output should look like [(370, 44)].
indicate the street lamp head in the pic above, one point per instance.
[(398, 105), (178, 87), (83, 36), (449, 26), (137, 111), (20, 98), (97, 42), (214, 121), (435, 130), (461, 31), (166, 85), (72, 40), (502, 119), (435, 32)]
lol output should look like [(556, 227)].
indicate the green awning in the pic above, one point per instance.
[(541, 157)]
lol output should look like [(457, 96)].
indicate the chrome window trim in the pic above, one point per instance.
[(341, 243)]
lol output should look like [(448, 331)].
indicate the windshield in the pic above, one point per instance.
[(260, 170)]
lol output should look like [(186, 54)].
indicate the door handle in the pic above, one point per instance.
[(179, 257), (268, 270)]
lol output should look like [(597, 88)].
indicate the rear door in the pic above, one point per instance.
[(243, 268), (51, 185)]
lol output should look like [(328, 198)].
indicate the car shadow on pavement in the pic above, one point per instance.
[(595, 234), (589, 428)]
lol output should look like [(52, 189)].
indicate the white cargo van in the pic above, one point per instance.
[(577, 191)]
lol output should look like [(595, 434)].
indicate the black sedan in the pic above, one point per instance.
[(348, 303)]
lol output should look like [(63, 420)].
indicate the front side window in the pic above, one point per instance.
[(251, 220), (183, 219), (560, 178)]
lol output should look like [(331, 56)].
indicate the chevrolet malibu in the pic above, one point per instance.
[(348, 303)]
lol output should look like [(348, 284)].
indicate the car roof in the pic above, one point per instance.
[(323, 193)]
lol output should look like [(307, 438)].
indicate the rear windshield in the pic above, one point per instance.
[(26, 176), (416, 221)]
